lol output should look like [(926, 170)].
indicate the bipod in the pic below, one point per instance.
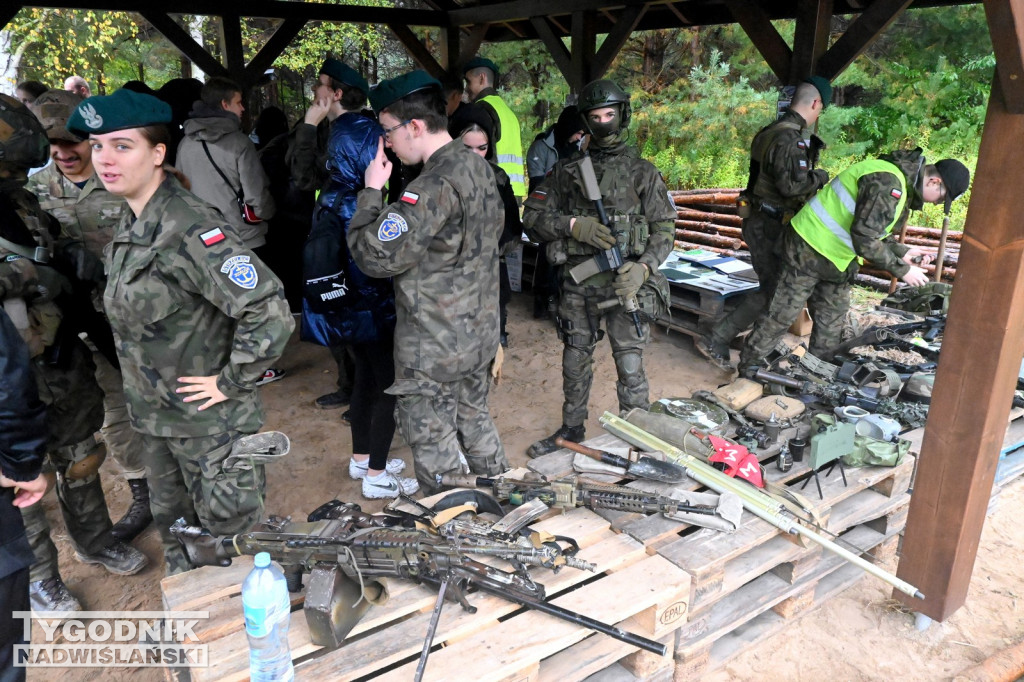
[(832, 465)]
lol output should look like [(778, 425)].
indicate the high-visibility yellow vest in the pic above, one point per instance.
[(826, 220), (508, 152)]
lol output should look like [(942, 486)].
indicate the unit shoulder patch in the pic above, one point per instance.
[(241, 271), (392, 227)]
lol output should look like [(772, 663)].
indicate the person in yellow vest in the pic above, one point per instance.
[(481, 77), (848, 221)]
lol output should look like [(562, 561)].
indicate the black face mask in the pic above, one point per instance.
[(605, 130)]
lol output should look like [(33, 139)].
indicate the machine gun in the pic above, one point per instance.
[(568, 494), (836, 394), (348, 555)]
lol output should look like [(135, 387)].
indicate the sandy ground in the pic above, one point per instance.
[(859, 635)]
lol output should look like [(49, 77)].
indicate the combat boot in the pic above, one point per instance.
[(52, 595), (546, 445), (118, 558), (138, 517), (717, 354)]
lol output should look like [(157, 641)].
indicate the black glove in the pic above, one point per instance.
[(820, 176), (87, 266)]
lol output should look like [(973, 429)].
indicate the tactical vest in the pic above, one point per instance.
[(508, 150), (764, 185), (623, 207), (826, 221)]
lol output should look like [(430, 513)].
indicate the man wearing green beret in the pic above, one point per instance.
[(440, 243), (70, 190), (850, 220), (782, 178), (481, 79)]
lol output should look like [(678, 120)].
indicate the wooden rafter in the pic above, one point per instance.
[(556, 48), (623, 27), (859, 36), (418, 51), (758, 27), (273, 48), (181, 39)]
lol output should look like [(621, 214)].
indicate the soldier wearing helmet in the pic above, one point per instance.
[(641, 222), (30, 289)]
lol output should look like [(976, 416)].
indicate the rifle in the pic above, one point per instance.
[(569, 494), (348, 554)]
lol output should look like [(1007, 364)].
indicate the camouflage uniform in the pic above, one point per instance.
[(67, 387), (643, 223), (782, 179), (89, 215), (808, 276), (186, 298), (440, 243)]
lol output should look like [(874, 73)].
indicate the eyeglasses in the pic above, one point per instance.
[(388, 131)]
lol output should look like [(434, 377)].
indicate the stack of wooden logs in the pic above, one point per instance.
[(706, 219)]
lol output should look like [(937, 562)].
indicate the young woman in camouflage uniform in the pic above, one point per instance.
[(198, 318)]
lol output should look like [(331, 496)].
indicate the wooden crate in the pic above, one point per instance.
[(500, 641)]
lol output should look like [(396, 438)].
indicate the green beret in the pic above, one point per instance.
[(477, 62), (390, 91), (119, 111), (824, 89), (343, 73)]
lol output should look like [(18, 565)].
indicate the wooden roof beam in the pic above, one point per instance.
[(859, 36), (622, 28), (810, 41), (758, 27), (1006, 25), (556, 48), (420, 54), (283, 36), (181, 39), (7, 13), (514, 10)]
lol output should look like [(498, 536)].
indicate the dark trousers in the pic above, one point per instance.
[(346, 370), (372, 411), (13, 597)]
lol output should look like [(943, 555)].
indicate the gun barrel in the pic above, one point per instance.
[(755, 501)]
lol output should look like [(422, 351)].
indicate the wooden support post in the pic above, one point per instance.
[(622, 28), (813, 21), (1006, 24), (977, 372), (451, 48), (557, 50), (584, 40), (231, 46)]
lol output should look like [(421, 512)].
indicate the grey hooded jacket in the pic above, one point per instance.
[(236, 156)]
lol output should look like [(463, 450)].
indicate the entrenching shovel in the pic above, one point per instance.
[(644, 467)]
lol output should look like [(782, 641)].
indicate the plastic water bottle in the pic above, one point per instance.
[(267, 610)]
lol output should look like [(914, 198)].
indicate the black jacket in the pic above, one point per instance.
[(22, 441)]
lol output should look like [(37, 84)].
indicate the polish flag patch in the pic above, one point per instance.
[(896, 194), (410, 198), (539, 194), (212, 237)]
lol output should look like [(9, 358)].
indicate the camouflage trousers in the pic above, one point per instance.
[(761, 234), (123, 442), (827, 301), (82, 505), (187, 480), (438, 420), (579, 322)]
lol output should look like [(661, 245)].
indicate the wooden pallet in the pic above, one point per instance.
[(500, 641)]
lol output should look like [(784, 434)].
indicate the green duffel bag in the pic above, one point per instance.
[(868, 452)]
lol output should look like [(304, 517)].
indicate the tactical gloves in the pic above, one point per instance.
[(631, 276), (591, 231), (821, 176)]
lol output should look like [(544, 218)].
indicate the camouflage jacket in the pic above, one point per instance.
[(440, 243), (186, 298), (876, 203), (20, 284), (635, 199), (781, 161), (88, 214)]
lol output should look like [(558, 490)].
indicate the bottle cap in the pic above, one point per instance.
[(262, 560)]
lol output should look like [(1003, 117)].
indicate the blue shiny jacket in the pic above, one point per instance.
[(351, 146)]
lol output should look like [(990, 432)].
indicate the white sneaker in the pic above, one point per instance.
[(388, 486), (357, 470)]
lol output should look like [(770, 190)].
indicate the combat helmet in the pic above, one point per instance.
[(604, 93), (23, 142)]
